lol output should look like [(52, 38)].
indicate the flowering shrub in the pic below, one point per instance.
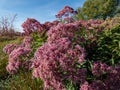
[(56, 61), (84, 53)]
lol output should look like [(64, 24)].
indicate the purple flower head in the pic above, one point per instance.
[(27, 41), (32, 25), (84, 86), (97, 85), (113, 78), (14, 62), (27, 65), (64, 11), (61, 31), (81, 53), (9, 48), (99, 68), (19, 51), (13, 67)]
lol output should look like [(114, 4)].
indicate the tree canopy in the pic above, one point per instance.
[(94, 9)]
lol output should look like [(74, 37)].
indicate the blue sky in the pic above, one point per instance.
[(42, 10)]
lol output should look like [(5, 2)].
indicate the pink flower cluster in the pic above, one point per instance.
[(52, 60), (91, 27), (27, 41), (89, 23), (14, 61), (15, 52), (99, 68), (9, 48), (59, 31), (110, 82), (95, 85), (32, 25), (69, 30), (48, 25), (65, 11)]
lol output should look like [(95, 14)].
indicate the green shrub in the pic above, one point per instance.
[(109, 46)]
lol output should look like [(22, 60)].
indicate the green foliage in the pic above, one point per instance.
[(21, 81), (79, 15), (70, 86), (38, 40), (109, 46), (105, 46), (94, 9)]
